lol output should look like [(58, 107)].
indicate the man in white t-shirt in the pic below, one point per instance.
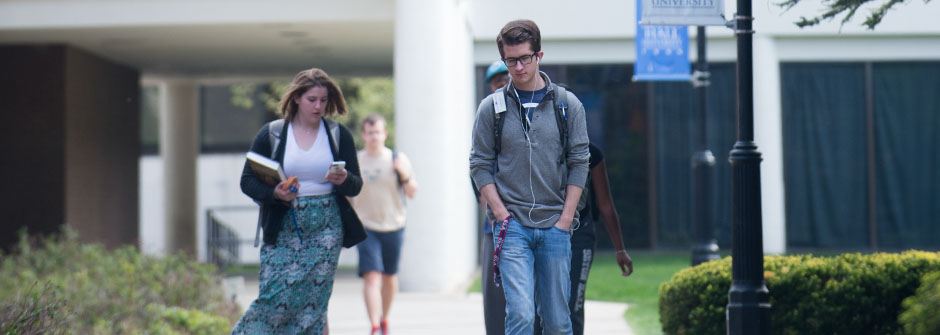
[(386, 179)]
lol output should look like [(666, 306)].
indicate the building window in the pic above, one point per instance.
[(862, 167)]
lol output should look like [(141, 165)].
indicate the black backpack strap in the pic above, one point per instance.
[(561, 118), (498, 132)]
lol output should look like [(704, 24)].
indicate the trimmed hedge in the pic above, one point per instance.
[(921, 314), (60, 286), (845, 294)]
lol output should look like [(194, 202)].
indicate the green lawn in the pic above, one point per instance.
[(640, 290)]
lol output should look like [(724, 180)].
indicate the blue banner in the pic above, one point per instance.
[(662, 52)]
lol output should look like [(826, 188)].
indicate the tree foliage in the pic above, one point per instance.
[(364, 96), (849, 8)]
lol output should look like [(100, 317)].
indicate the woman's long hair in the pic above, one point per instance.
[(305, 80)]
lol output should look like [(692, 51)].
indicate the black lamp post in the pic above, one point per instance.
[(705, 247), (748, 311)]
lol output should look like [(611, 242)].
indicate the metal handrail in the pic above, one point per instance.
[(222, 242)]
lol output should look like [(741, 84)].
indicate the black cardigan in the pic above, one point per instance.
[(273, 209)]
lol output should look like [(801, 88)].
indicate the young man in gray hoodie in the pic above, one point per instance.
[(531, 183)]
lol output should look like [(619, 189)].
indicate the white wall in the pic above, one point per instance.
[(151, 206), (217, 177), (768, 133), (613, 19), (603, 31), (24, 14)]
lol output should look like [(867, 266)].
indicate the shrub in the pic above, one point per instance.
[(921, 314), (113, 291), (32, 313), (845, 294)]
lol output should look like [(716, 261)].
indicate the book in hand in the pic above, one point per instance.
[(268, 170)]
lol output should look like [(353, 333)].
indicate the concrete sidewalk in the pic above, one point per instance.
[(416, 313)]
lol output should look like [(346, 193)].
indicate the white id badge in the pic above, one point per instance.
[(499, 102)]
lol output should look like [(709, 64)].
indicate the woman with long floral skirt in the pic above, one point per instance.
[(303, 229)]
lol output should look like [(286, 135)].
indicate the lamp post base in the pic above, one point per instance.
[(748, 308), (704, 251)]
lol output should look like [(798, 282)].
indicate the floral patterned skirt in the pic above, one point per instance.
[(296, 277)]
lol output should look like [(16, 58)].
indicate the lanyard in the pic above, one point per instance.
[(500, 238), (294, 217)]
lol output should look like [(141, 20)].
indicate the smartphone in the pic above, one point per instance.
[(337, 165)]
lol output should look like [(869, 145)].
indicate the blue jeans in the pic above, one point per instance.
[(535, 270), (583, 242)]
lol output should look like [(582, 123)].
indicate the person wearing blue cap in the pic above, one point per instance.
[(497, 75), (494, 303)]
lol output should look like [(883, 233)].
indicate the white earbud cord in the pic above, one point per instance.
[(529, 144)]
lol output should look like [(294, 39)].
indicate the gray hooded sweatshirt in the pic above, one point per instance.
[(529, 179)]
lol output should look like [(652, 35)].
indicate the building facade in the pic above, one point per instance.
[(845, 117)]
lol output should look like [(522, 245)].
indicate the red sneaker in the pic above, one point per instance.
[(385, 327), (375, 331)]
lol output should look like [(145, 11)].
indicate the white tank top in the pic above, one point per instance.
[(309, 166)]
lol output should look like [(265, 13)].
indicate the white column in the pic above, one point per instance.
[(179, 146), (768, 132), (434, 108)]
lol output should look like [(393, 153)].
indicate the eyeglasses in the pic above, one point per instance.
[(525, 60)]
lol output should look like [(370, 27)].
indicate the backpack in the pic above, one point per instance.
[(560, 100), (276, 126)]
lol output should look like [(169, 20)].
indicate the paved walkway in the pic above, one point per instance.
[(416, 313)]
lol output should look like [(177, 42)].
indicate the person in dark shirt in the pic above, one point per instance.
[(494, 302), (584, 239)]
